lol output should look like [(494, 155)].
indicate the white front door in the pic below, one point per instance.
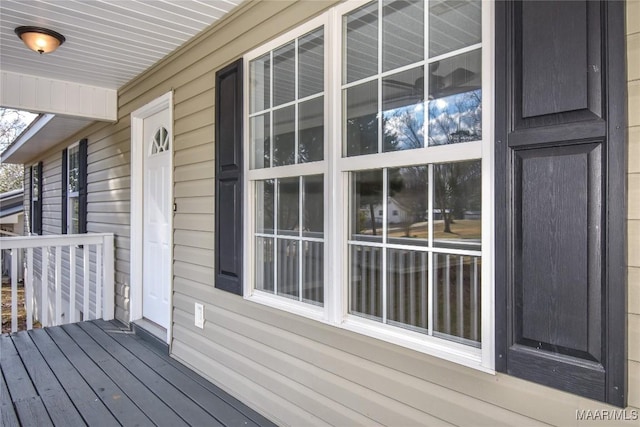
[(157, 211)]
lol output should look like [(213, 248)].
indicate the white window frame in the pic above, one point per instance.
[(277, 172), (72, 194), (336, 170)]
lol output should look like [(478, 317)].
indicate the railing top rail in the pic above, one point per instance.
[(19, 242)]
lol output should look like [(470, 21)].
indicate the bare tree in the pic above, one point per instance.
[(12, 123)]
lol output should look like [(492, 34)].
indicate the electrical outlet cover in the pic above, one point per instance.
[(199, 315)]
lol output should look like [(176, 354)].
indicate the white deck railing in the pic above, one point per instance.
[(67, 278)]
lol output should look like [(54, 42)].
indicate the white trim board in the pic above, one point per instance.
[(137, 200), (44, 95)]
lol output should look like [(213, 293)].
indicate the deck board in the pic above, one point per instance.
[(107, 390), (131, 385), (32, 413), (97, 373), (209, 401), (8, 416), (92, 409), (181, 406), (53, 396)]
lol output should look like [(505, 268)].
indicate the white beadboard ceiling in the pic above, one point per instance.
[(108, 42)]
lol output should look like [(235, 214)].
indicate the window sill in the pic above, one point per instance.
[(288, 305), (447, 350), (450, 351)]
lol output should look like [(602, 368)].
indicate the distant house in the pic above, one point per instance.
[(11, 223), (396, 212), (12, 211), (234, 230)]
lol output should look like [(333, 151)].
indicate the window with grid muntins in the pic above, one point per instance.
[(366, 175)]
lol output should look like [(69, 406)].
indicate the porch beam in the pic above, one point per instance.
[(66, 98)]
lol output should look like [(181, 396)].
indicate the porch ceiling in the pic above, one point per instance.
[(108, 43)]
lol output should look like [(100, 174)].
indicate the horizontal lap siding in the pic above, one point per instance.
[(52, 193), (294, 370), (109, 198), (633, 213)]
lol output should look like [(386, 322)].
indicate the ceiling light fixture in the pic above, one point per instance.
[(40, 39)]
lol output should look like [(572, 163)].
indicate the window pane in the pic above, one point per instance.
[(288, 268), (455, 99), (313, 272), (311, 63), (74, 214), (366, 202), (407, 289), (311, 130), (264, 206), (407, 205), (365, 295), (260, 141), (34, 180), (361, 115), (264, 264), (288, 206), (284, 147), (403, 110), (453, 25), (284, 74), (457, 214), (260, 83), (457, 293), (402, 33), (313, 206), (361, 43), (73, 166)]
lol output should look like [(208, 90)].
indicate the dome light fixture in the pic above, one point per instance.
[(40, 39)]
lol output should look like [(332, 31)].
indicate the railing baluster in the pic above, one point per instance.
[(58, 286), (365, 280), (2, 255), (99, 249), (352, 284), (460, 296), (14, 290), (28, 288), (44, 277), (412, 288), (401, 287), (424, 297), (86, 280), (108, 272), (434, 293), (72, 283), (447, 295), (392, 291), (474, 300)]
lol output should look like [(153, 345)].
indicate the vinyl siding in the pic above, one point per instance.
[(295, 370), (633, 204), (108, 199)]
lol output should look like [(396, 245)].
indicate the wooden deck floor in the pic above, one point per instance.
[(99, 374)]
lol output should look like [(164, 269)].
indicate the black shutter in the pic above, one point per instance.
[(560, 192), (229, 215), (82, 186), (37, 209), (65, 185)]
